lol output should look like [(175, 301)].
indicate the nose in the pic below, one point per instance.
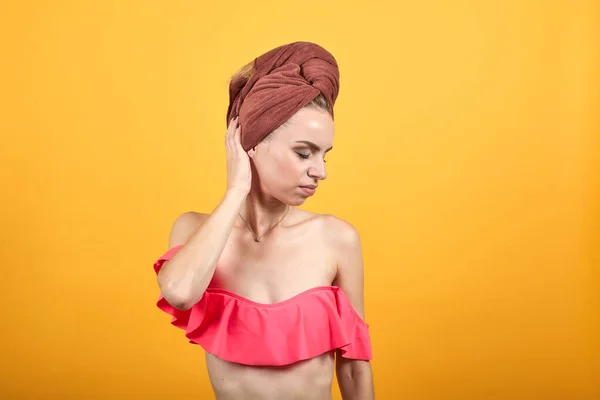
[(317, 170)]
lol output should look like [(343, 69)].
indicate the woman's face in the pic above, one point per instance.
[(291, 162)]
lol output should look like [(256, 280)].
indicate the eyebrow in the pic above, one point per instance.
[(312, 145)]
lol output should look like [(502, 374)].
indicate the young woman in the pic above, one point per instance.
[(273, 294)]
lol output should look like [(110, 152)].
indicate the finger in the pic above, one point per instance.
[(229, 127), (237, 136), (230, 132), (227, 137), (232, 125)]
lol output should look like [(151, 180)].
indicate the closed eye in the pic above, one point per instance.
[(305, 156)]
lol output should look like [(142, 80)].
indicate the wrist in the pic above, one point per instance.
[(235, 195)]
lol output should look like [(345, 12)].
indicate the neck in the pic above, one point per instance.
[(261, 212)]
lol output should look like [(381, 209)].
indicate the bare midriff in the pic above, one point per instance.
[(304, 380)]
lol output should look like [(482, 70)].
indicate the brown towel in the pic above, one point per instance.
[(285, 80)]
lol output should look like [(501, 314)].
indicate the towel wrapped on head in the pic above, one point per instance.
[(283, 81)]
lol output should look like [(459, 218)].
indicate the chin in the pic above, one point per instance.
[(293, 200), (297, 202)]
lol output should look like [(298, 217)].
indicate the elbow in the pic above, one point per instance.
[(178, 298), (178, 302), (181, 303)]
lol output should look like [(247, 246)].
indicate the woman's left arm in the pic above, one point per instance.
[(355, 377)]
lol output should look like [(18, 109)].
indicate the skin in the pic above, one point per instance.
[(303, 251)]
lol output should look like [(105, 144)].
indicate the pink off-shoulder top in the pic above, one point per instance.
[(239, 330)]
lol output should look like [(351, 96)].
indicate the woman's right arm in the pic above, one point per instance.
[(184, 278)]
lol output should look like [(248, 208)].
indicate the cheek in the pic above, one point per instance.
[(285, 167)]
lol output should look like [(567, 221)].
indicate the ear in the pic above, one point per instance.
[(252, 152)]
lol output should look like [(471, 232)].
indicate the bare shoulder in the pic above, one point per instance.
[(340, 235), (184, 226), (332, 227), (345, 244), (339, 232)]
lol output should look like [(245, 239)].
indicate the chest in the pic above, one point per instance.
[(275, 269)]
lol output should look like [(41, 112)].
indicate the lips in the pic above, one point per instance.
[(309, 189)]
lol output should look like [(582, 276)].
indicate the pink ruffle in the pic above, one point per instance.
[(239, 330)]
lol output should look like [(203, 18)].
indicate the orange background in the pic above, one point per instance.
[(466, 154)]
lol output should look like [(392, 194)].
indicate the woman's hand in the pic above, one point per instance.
[(239, 174)]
